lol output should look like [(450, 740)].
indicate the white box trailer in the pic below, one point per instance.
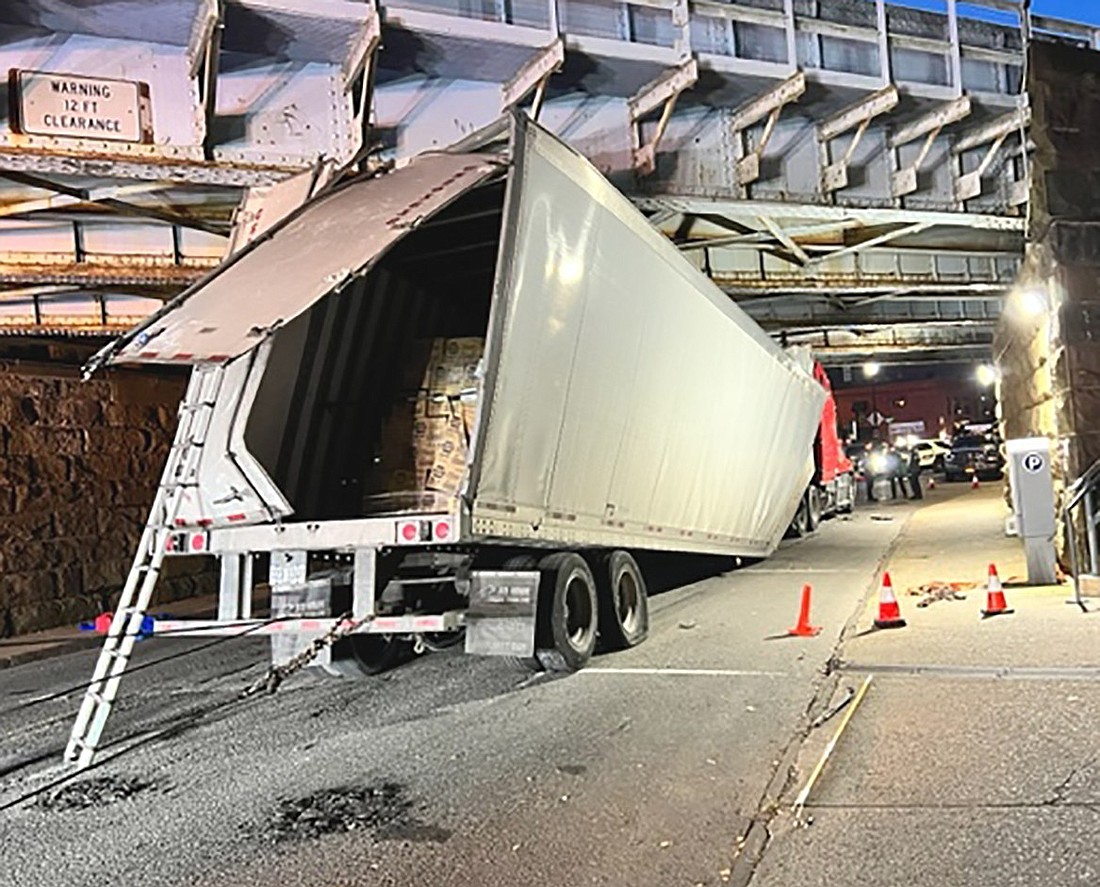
[(624, 403)]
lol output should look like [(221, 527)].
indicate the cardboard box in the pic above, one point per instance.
[(468, 407), (454, 364), (424, 438), (440, 445)]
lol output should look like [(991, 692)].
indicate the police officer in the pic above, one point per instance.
[(912, 474)]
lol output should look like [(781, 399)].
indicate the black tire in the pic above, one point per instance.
[(813, 508), (367, 655), (849, 506), (568, 618), (623, 598), (800, 524)]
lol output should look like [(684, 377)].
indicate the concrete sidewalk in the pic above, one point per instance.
[(973, 758)]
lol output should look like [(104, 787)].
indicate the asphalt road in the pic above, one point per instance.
[(650, 767)]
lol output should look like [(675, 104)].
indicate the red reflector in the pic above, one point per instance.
[(410, 532), (442, 530), (237, 517), (198, 542), (204, 522)]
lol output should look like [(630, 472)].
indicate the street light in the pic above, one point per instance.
[(871, 369), (986, 375), (1029, 302)]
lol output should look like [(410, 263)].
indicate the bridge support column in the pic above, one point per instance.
[(1048, 342)]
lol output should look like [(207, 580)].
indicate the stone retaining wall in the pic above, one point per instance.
[(79, 465)]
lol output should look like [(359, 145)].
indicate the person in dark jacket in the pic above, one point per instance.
[(911, 461)]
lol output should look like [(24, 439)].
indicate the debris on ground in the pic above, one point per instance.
[(931, 592), (384, 810), (881, 517), (834, 710), (688, 624), (95, 792)]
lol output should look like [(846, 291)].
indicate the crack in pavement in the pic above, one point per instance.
[(1058, 793)]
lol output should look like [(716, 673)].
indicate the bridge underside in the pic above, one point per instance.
[(839, 167)]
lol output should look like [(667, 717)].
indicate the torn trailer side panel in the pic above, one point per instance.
[(629, 402)]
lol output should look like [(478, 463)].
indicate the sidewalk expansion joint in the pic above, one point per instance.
[(986, 672)]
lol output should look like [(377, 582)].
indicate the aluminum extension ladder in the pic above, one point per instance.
[(180, 473)]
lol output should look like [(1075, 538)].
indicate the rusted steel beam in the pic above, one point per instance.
[(122, 207), (99, 272), (61, 325), (174, 170)]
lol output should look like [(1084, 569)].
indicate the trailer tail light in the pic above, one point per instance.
[(419, 532), (414, 531), (188, 543)]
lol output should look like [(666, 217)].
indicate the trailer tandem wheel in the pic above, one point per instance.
[(800, 523), (623, 598), (568, 613), (814, 508)]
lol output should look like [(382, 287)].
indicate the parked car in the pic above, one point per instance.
[(973, 455), (932, 454)]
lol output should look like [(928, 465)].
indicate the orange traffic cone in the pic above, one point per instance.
[(975, 483), (803, 629), (889, 613), (995, 596)]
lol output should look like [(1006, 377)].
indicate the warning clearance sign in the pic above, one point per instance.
[(72, 106)]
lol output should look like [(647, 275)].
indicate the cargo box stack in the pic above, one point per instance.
[(421, 454)]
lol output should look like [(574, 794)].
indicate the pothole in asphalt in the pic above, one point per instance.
[(96, 792), (384, 811)]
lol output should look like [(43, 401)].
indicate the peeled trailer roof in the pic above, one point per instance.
[(331, 239)]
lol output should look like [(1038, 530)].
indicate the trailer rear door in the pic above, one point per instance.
[(335, 237)]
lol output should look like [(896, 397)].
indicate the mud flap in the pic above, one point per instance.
[(501, 618), (293, 595)]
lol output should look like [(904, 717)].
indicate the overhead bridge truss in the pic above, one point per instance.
[(809, 156)]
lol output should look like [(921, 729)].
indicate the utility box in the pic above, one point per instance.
[(1032, 485)]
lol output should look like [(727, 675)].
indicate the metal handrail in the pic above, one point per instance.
[(1081, 486), (1078, 491)]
